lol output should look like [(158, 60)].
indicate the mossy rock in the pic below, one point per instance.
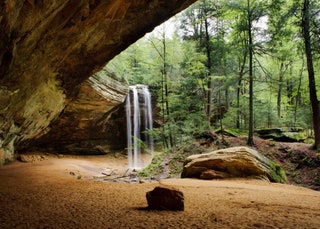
[(235, 162)]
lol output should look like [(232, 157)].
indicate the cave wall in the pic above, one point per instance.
[(94, 122), (49, 48)]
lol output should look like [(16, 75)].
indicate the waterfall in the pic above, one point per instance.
[(139, 119), (148, 117)]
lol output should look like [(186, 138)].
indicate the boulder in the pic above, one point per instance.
[(284, 134), (165, 198), (235, 162)]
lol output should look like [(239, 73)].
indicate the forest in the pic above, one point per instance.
[(239, 65)]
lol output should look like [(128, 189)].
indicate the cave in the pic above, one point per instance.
[(49, 53), (52, 100)]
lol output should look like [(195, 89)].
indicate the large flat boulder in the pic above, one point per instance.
[(235, 162)]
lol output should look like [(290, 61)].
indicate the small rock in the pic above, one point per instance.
[(24, 158), (99, 176), (31, 158), (163, 198), (107, 172)]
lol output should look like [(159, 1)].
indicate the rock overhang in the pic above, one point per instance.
[(48, 49)]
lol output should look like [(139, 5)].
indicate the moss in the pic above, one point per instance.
[(178, 158), (277, 173), (176, 164), (154, 168), (272, 143)]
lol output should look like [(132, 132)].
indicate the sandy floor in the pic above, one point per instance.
[(48, 194)]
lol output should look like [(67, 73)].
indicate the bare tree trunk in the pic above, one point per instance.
[(164, 139), (241, 72), (280, 90), (251, 127), (282, 71), (298, 96), (209, 67), (290, 86), (166, 91), (312, 83)]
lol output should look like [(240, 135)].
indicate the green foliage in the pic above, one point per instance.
[(154, 168), (281, 90), (179, 156), (141, 144)]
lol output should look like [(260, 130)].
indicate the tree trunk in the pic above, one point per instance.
[(164, 139), (280, 90), (166, 91), (312, 83), (298, 96), (290, 87), (241, 72), (209, 82), (251, 128)]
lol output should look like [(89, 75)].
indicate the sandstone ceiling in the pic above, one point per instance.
[(49, 48)]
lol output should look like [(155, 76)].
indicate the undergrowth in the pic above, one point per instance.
[(300, 163)]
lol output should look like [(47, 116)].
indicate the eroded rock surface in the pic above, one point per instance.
[(235, 162), (48, 48), (93, 123)]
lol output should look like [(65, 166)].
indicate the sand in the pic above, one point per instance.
[(49, 194)]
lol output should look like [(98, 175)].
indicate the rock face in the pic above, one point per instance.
[(49, 48), (232, 163), (93, 123), (163, 198)]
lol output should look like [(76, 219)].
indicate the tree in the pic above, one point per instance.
[(209, 62), (251, 11), (225, 57), (305, 24), (250, 44), (200, 23), (239, 49), (161, 50), (281, 47)]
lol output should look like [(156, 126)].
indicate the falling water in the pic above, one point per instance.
[(148, 117), (139, 119)]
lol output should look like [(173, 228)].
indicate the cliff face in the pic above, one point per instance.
[(49, 48), (92, 123)]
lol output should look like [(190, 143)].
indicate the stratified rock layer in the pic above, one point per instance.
[(93, 123), (235, 162), (48, 48)]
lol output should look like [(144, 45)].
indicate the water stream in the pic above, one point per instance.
[(139, 121)]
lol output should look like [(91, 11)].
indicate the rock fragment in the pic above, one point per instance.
[(165, 198)]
